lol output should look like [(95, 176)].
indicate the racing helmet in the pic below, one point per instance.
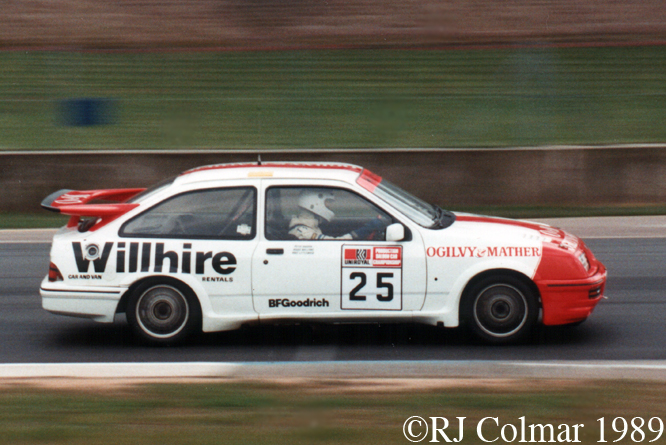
[(315, 202)]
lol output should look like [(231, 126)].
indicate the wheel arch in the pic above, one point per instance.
[(156, 279), (510, 325), (171, 314), (499, 273)]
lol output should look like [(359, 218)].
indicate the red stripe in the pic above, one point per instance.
[(275, 165), (369, 180)]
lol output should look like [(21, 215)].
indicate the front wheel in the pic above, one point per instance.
[(163, 313), (500, 309)]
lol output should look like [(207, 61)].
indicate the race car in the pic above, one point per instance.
[(221, 246)]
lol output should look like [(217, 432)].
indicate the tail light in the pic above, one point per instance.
[(54, 273)]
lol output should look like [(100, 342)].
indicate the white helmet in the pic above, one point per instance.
[(315, 202)]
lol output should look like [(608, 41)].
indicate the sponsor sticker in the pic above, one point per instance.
[(482, 251), (390, 256), (286, 302), (69, 199), (135, 257), (302, 250)]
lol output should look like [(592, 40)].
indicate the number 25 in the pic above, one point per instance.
[(381, 284)]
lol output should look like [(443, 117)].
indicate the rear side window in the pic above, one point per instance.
[(228, 213)]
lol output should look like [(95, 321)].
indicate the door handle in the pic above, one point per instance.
[(278, 251)]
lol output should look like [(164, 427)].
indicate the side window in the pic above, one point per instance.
[(322, 213), (227, 213)]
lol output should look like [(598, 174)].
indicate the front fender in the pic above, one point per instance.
[(443, 296)]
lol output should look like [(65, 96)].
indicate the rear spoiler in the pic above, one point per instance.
[(75, 203)]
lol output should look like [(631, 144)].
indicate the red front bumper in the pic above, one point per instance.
[(571, 301)]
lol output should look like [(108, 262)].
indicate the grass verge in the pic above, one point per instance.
[(337, 98), (327, 412), (16, 220)]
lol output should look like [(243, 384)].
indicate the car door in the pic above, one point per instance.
[(343, 268)]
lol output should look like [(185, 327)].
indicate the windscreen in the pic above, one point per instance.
[(419, 211)]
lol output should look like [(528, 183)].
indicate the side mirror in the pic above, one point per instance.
[(395, 232)]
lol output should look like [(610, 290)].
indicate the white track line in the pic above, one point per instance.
[(639, 370), (118, 370)]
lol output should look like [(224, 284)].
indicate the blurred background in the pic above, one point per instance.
[(523, 108), (310, 74)]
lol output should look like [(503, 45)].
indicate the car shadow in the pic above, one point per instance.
[(85, 334)]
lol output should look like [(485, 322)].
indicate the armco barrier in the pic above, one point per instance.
[(532, 176)]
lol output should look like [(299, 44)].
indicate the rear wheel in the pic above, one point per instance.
[(500, 309), (163, 313)]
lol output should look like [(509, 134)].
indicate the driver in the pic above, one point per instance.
[(313, 210)]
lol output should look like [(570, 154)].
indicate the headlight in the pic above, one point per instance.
[(583, 260)]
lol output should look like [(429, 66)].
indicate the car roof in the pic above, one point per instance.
[(287, 170)]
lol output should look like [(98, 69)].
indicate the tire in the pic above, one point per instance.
[(500, 309), (163, 312)]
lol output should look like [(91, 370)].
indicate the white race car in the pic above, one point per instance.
[(225, 245)]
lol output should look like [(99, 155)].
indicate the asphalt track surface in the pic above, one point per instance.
[(627, 326)]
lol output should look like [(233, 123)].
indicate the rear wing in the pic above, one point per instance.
[(76, 204)]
